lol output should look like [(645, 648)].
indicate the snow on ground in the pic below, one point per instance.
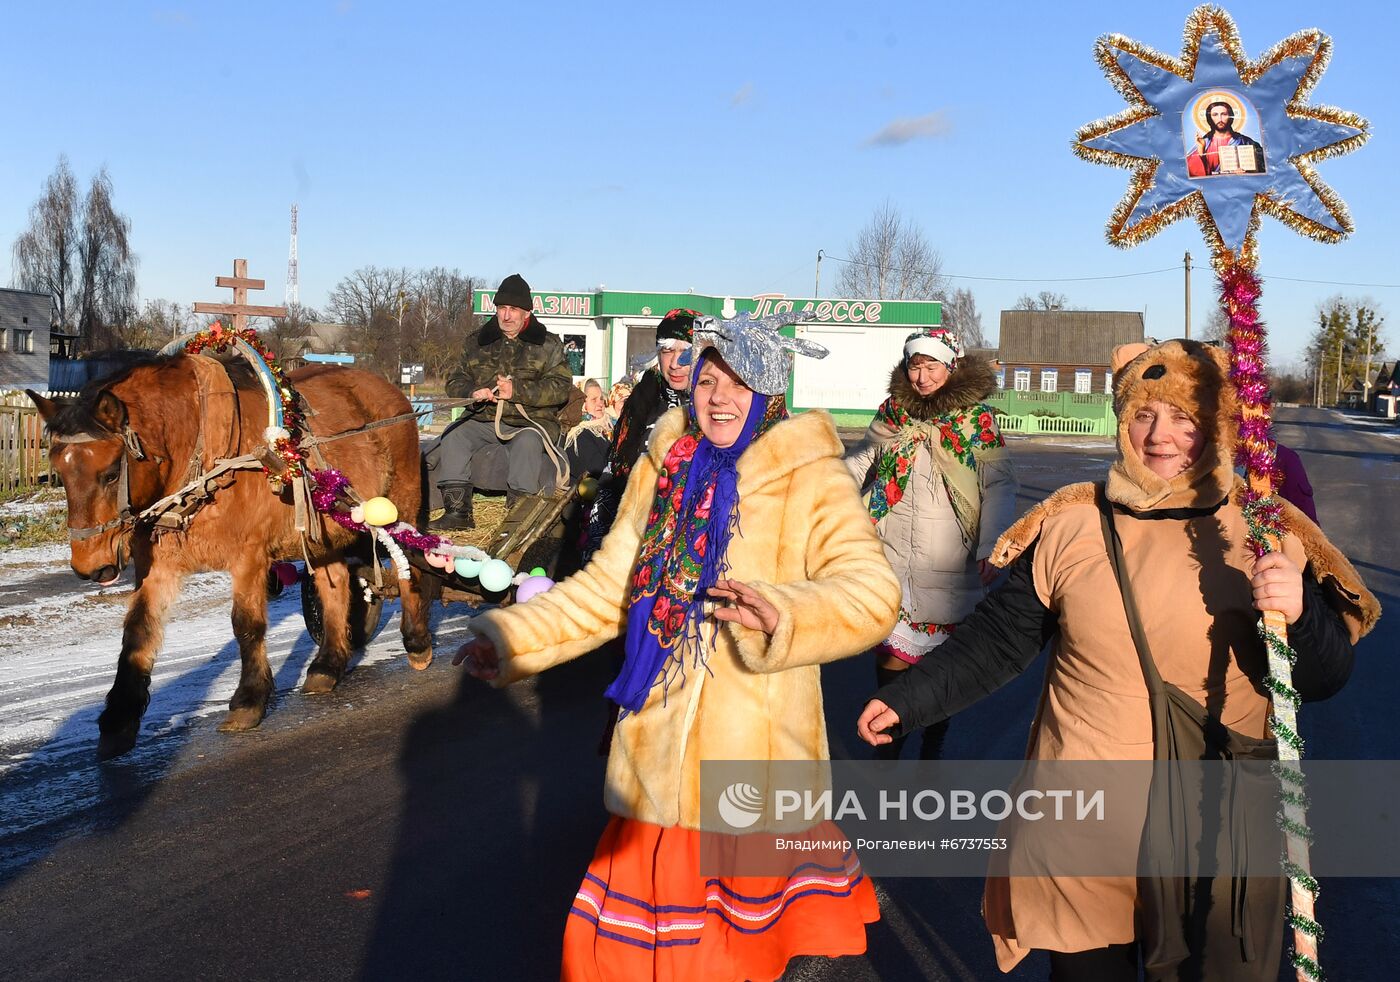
[(60, 636), (1379, 425)]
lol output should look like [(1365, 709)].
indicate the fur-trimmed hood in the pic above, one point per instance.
[(534, 333), (970, 383)]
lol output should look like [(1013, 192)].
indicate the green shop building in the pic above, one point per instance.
[(607, 331)]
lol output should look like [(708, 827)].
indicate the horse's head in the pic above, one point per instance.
[(104, 469)]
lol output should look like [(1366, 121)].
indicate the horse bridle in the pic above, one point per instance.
[(131, 448)]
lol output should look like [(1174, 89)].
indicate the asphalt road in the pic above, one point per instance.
[(437, 829)]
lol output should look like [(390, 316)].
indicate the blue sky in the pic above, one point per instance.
[(650, 147)]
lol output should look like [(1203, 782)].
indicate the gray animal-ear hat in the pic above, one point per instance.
[(753, 347)]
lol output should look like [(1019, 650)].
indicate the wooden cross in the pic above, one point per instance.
[(240, 310)]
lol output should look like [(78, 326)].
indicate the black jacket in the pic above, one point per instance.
[(1006, 631)]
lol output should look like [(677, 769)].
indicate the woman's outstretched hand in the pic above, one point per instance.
[(746, 606), (480, 657), (874, 721)]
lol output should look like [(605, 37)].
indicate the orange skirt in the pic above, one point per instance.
[(645, 912)]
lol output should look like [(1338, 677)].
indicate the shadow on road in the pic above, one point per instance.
[(502, 807)]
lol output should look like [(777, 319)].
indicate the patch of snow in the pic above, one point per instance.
[(58, 658)]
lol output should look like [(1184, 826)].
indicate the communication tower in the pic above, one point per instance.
[(293, 290)]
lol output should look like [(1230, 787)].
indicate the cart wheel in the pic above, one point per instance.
[(365, 614)]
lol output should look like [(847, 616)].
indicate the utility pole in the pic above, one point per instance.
[(1338, 400), (817, 288), (1317, 379), (1187, 262), (1366, 379)]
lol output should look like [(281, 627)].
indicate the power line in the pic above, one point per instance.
[(1085, 279), (1373, 286)]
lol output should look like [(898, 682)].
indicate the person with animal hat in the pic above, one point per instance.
[(1169, 525), (514, 365), (740, 561), (941, 489)]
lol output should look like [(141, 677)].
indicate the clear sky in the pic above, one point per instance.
[(713, 147)]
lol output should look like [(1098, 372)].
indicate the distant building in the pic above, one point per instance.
[(317, 339), (1063, 350), (24, 339)]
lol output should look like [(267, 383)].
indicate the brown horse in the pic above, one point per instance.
[(144, 433)]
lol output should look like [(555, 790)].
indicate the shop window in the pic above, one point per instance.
[(1049, 379), (1022, 380), (575, 347), (1083, 381)]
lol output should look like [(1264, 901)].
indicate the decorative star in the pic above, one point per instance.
[(1151, 138)]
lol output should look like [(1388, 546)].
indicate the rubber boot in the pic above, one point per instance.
[(457, 502)]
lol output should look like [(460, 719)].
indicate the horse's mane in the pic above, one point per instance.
[(77, 416)]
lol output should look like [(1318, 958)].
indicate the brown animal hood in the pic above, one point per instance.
[(1194, 377), (971, 382)]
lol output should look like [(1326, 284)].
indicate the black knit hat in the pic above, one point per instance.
[(677, 325), (514, 292)]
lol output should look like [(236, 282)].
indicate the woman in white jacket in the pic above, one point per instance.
[(940, 491)]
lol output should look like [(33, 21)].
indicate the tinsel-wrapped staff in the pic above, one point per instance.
[(1225, 139)]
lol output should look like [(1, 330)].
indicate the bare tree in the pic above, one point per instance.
[(1216, 327), (1044, 300), (891, 260), (44, 254), (960, 313), (282, 334), (157, 324), (79, 252), (106, 266), (371, 303)]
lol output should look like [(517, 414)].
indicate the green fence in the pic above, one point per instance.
[(1085, 414)]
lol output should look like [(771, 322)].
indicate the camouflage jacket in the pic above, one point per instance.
[(536, 364)]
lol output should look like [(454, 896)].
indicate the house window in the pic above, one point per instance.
[(1022, 380), (1001, 378), (1108, 382), (24, 342), (1049, 379), (1083, 381)]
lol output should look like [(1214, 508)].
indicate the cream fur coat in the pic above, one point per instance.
[(807, 546)]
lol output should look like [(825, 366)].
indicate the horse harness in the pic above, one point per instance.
[(218, 396)]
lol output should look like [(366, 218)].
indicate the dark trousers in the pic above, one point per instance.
[(461, 443), (931, 748), (1116, 963)]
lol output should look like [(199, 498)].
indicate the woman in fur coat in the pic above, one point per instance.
[(941, 493), (732, 503), (1174, 502)]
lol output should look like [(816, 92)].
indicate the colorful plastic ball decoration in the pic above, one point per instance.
[(588, 489), (538, 571), (532, 587), (380, 512), (467, 568), (495, 575), (437, 560), (357, 515)]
